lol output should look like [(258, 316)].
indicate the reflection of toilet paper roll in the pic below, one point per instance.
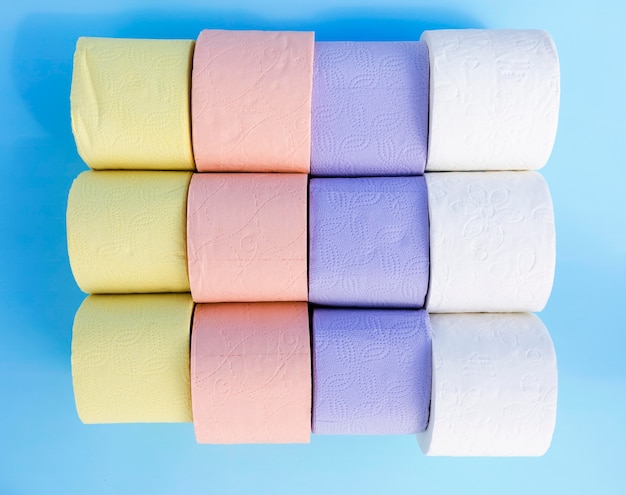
[(494, 99), (251, 373), (370, 109), (130, 358), (126, 231), (492, 242), (251, 101), (130, 103), (247, 237), (494, 386), (371, 371)]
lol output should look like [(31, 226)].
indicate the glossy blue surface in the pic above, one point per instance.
[(46, 450)]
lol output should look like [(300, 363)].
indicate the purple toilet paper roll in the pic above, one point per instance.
[(370, 109), (371, 371), (368, 242)]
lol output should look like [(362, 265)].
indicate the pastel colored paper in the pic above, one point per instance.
[(251, 373), (130, 103), (492, 242), (247, 237), (371, 371), (126, 231), (370, 109), (494, 386), (494, 99), (130, 358), (368, 241), (251, 101)]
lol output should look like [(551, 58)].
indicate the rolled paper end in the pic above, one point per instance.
[(494, 99), (126, 231), (130, 358), (251, 373), (495, 386), (251, 101), (371, 371), (370, 109), (368, 243), (130, 103), (247, 237), (492, 242)]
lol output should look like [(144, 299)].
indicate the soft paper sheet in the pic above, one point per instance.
[(251, 101), (492, 242), (247, 237), (494, 386), (130, 358), (130, 103), (370, 109), (368, 241), (371, 371), (494, 99), (126, 231), (251, 373)]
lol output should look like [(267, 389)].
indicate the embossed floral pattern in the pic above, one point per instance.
[(368, 241), (251, 101), (370, 109), (247, 237), (126, 231), (130, 358), (492, 242), (494, 386), (251, 373), (486, 213), (371, 371), (130, 103), (494, 99)]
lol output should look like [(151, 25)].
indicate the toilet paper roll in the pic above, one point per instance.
[(494, 99), (251, 101), (370, 109), (368, 241), (247, 237), (494, 386), (126, 231), (371, 371), (492, 242), (130, 358), (251, 373), (130, 103)]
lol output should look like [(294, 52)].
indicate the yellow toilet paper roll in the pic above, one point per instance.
[(130, 358), (126, 231), (130, 103)]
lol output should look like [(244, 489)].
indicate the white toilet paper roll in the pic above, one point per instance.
[(492, 242), (494, 386), (494, 99)]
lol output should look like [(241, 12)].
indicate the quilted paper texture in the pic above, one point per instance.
[(130, 358), (130, 103), (371, 371), (494, 386), (494, 99), (251, 373), (492, 242), (368, 241), (370, 109), (247, 237), (251, 101), (126, 231)]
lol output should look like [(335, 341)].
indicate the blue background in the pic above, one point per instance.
[(44, 447)]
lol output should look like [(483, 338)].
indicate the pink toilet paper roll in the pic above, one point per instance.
[(251, 101), (251, 373), (247, 237)]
